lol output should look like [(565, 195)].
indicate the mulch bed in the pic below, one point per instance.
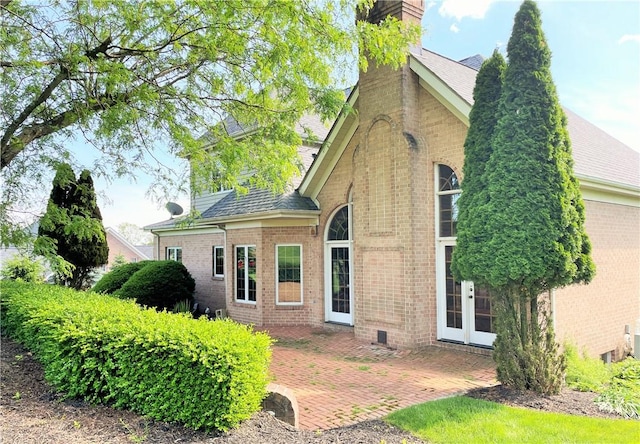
[(32, 412)]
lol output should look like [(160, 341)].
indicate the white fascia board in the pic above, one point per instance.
[(441, 91), (126, 243), (329, 154), (309, 215), (187, 231), (600, 190)]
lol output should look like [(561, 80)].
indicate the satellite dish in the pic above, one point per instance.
[(174, 209)]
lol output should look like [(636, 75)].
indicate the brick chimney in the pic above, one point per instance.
[(405, 10), (410, 11)]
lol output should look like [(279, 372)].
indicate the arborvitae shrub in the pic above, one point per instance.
[(115, 279), (160, 284)]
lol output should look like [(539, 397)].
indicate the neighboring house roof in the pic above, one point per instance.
[(127, 244), (147, 250)]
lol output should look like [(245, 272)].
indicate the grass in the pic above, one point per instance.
[(462, 419)]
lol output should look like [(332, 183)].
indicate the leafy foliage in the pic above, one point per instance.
[(622, 396), (131, 76), (585, 373), (22, 268), (118, 261), (160, 284), (115, 279), (521, 225), (169, 367), (71, 233), (618, 384)]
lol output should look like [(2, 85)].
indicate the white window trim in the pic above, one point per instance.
[(174, 256), (215, 264), (301, 276), (235, 280), (437, 200)]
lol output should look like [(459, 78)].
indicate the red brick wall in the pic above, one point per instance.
[(117, 248), (197, 257)]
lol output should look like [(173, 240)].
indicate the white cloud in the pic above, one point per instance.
[(429, 6), (629, 38), (459, 9), (454, 28)]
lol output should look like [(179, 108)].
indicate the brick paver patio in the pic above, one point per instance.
[(338, 380)]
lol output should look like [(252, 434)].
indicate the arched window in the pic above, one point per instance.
[(339, 228), (448, 194)]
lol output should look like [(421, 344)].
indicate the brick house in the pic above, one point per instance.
[(364, 240), (119, 246)]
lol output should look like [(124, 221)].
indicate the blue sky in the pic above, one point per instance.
[(595, 66), (595, 49)]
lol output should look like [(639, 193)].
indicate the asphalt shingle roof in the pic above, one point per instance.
[(258, 201), (596, 154)]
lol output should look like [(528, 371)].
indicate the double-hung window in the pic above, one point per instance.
[(173, 254), (246, 273), (289, 274), (218, 261)]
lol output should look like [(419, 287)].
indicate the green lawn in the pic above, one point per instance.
[(466, 420)]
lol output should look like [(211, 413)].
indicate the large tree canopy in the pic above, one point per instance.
[(126, 75)]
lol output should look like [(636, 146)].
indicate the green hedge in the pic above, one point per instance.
[(160, 284), (205, 374), (113, 280)]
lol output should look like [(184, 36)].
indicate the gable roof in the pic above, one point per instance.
[(137, 250), (598, 157), (596, 154)]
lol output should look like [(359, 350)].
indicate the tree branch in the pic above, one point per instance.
[(10, 146), (62, 120), (44, 95)]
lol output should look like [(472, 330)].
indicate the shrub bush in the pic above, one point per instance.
[(115, 279), (22, 268), (584, 373), (160, 284), (205, 374)]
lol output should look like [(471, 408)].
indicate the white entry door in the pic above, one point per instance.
[(464, 311), (339, 300), (338, 269)]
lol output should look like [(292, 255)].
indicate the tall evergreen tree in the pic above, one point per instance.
[(472, 206), (71, 234), (51, 230), (532, 237), (87, 248)]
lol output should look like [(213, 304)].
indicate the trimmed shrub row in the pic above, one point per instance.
[(205, 374), (115, 279), (159, 284)]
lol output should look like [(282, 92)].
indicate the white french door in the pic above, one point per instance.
[(338, 281), (339, 301), (464, 311)]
